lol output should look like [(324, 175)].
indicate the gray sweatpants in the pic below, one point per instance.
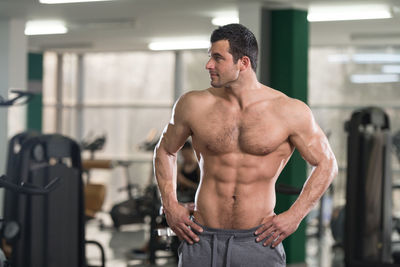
[(230, 248)]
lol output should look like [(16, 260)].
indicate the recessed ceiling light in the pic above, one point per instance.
[(68, 1), (367, 58), (43, 27), (179, 45), (221, 21), (376, 58), (374, 78), (348, 12)]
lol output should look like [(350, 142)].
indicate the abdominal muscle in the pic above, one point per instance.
[(230, 198)]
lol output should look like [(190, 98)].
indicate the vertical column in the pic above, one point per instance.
[(13, 49), (35, 85), (288, 73), (250, 15), (265, 48), (59, 94), (80, 96), (4, 84), (18, 74), (178, 81)]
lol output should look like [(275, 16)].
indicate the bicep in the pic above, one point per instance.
[(174, 136), (313, 147), (178, 130), (309, 139)]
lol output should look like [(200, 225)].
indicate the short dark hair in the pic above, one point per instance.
[(242, 42)]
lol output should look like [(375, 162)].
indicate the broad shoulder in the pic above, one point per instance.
[(283, 104), (195, 95), (190, 102), (291, 107), (294, 113), (193, 99)]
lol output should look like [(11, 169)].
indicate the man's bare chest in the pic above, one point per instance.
[(257, 133)]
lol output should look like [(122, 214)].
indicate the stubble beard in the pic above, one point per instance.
[(215, 84), (219, 84)]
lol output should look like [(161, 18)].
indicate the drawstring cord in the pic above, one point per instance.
[(214, 253), (229, 251)]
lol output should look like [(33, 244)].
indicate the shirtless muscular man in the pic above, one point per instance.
[(243, 134)]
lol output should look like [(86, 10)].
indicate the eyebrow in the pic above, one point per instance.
[(215, 54)]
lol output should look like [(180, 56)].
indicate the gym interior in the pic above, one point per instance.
[(82, 108)]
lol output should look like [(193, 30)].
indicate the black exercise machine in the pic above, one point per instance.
[(368, 212), (9, 230), (52, 230), (396, 146)]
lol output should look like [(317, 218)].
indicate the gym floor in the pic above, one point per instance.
[(118, 244)]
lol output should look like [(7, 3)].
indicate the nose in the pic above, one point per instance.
[(209, 64)]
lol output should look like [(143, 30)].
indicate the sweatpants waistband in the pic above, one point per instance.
[(225, 234)]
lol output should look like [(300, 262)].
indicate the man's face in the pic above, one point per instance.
[(221, 66)]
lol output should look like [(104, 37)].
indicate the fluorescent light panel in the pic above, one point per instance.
[(221, 21), (348, 12), (68, 1), (45, 27), (364, 58), (376, 58), (374, 78), (179, 45)]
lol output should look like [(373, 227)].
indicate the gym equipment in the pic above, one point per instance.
[(52, 226), (93, 145), (287, 189), (9, 230), (135, 208), (368, 219), (20, 95), (158, 225), (152, 138), (396, 146), (94, 199), (95, 193), (46, 220)]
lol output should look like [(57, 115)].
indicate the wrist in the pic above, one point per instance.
[(169, 204), (297, 213)]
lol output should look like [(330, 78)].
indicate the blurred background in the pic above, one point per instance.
[(112, 70)]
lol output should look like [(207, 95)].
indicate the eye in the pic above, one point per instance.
[(217, 58)]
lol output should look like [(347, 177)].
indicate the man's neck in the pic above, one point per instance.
[(239, 89)]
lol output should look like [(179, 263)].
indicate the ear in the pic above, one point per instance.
[(245, 63)]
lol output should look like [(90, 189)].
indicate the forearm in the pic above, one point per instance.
[(315, 186), (165, 173)]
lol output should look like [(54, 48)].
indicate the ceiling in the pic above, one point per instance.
[(131, 24)]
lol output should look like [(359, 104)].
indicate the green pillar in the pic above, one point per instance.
[(35, 78), (287, 72)]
